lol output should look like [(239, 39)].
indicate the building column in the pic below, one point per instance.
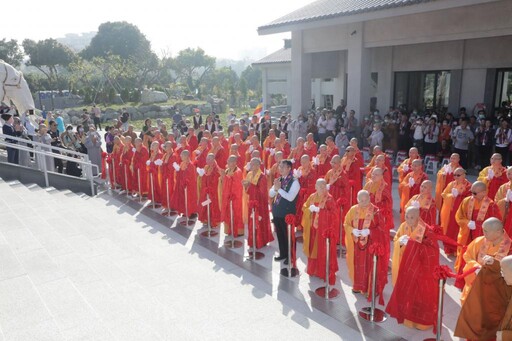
[(301, 76), (339, 82), (384, 57), (264, 87), (359, 72)]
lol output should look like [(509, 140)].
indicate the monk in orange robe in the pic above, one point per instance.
[(306, 174), (380, 196), (117, 175), (255, 145), (168, 172), (406, 166), (444, 177), (232, 196), (285, 145), (272, 153), (453, 195), (410, 186), (505, 330), (358, 154), (503, 199), (139, 168), (351, 169), (364, 230), (494, 175), (297, 152), (242, 146), (273, 172), (268, 144), (255, 185), (186, 182), (493, 246), (425, 202), (332, 149), (209, 196), (472, 212), (338, 187), (321, 161), (320, 220), (310, 146), (154, 177), (377, 151), (380, 162), (126, 161), (235, 150)]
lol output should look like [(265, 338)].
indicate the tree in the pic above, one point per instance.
[(253, 79), (47, 56), (10, 52), (191, 66)]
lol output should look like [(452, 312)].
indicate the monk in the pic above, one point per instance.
[(332, 149), (502, 199), (154, 176), (192, 140), (358, 154), (377, 151), (306, 174), (167, 171), (473, 211), (254, 145), (139, 168), (273, 172), (255, 185), (380, 162), (200, 153), (209, 196), (286, 147), (351, 169), (415, 257), (232, 197), (320, 219), (445, 176), (220, 153), (406, 166), (186, 184), (235, 150), (484, 250), (380, 196), (411, 183), (297, 152), (338, 187), (494, 175), (272, 153), (321, 161), (364, 229), (425, 202), (505, 330), (453, 194), (126, 161), (310, 147), (268, 144)]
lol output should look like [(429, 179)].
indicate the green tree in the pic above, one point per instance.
[(191, 66), (10, 52), (253, 78), (242, 86)]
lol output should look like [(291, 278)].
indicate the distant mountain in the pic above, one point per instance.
[(76, 41), (236, 65)]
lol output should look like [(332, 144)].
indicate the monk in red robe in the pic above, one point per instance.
[(297, 152), (268, 144), (306, 174), (406, 167), (200, 153), (272, 153), (503, 199), (154, 177), (186, 182), (285, 145), (351, 170), (494, 175), (380, 162), (410, 185), (321, 161), (232, 196), (117, 174), (444, 177), (365, 230), (221, 153), (310, 146), (273, 172), (126, 162), (210, 176), (359, 157), (320, 220), (331, 147), (192, 140), (380, 196), (377, 151), (167, 171), (413, 301), (255, 145), (425, 202), (139, 168), (255, 185), (338, 187)]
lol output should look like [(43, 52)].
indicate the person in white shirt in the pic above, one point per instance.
[(376, 137), (431, 133), (503, 137), (417, 128)]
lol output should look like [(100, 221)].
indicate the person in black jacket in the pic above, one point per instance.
[(9, 129)]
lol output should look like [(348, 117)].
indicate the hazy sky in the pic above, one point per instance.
[(223, 28)]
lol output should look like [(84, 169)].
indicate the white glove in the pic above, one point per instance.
[(365, 232), (411, 181), (267, 149), (176, 167), (455, 192), (292, 160), (134, 149), (328, 186), (251, 148), (478, 270), (178, 146), (356, 233), (148, 163), (206, 202), (248, 167), (415, 203), (314, 208), (488, 260), (248, 142), (197, 152), (509, 196), (267, 171), (471, 225), (490, 174), (316, 161), (403, 240), (499, 335), (447, 169), (406, 168), (200, 171), (272, 151), (158, 162)]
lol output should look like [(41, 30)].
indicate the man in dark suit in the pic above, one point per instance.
[(284, 191), (9, 129)]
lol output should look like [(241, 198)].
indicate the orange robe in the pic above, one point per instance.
[(501, 200), (154, 173), (210, 190), (167, 184), (185, 179), (353, 173), (232, 193), (386, 174), (307, 183), (444, 177), (408, 192), (295, 156), (193, 142), (380, 196), (311, 149), (126, 160), (258, 201)]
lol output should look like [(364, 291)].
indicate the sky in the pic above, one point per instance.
[(223, 28)]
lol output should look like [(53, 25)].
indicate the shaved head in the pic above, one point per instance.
[(506, 269)]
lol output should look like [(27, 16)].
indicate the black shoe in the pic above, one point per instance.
[(286, 261), (280, 258)]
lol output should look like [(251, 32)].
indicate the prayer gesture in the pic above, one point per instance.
[(471, 225), (488, 260)]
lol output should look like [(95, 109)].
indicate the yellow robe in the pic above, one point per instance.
[(405, 190), (398, 250), (448, 200), (349, 241), (506, 324), (471, 258), (440, 185), (500, 197)]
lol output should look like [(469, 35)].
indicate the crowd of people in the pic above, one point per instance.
[(310, 172)]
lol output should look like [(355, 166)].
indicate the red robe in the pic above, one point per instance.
[(295, 155), (340, 191), (332, 150), (185, 178), (311, 149), (140, 171), (286, 148), (221, 155), (248, 153), (167, 183), (154, 172), (307, 187), (323, 166), (193, 142), (495, 183), (415, 293), (232, 192), (210, 187), (199, 159), (354, 175), (452, 230), (258, 194), (384, 203)]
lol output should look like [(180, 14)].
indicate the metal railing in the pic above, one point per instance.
[(42, 151)]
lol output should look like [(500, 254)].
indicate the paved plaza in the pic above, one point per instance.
[(74, 267)]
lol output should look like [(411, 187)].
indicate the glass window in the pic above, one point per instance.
[(503, 88), (422, 90)]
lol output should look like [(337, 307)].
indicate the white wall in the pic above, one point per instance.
[(473, 87), (428, 57), (331, 38)]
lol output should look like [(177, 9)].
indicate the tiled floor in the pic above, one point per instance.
[(105, 268)]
